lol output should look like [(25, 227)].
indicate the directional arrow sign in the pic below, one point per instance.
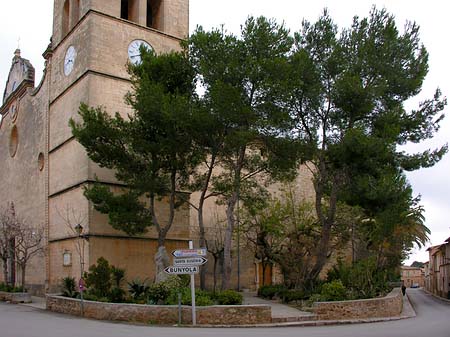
[(190, 261), (182, 270), (189, 252)]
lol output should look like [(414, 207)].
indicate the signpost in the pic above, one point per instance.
[(189, 252), (183, 270), (188, 262)]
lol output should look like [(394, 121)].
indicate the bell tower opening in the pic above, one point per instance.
[(70, 15), (129, 10), (154, 17), (65, 18), (75, 12), (149, 14)]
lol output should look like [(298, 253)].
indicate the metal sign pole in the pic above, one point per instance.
[(194, 318)]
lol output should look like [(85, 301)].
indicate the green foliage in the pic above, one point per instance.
[(152, 151), (362, 279), (203, 301), (138, 289), (238, 75), (69, 287), (11, 289), (293, 295), (314, 298), (98, 279), (229, 297), (104, 282), (271, 291), (118, 276), (117, 295), (333, 291), (158, 292), (346, 94)]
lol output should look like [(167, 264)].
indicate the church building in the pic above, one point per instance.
[(44, 169)]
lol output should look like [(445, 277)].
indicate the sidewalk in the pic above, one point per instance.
[(36, 302), (281, 313)]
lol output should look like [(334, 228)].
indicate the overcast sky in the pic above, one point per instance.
[(28, 23)]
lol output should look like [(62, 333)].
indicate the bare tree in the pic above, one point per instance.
[(75, 222), (8, 227), (216, 245), (28, 243), (19, 242)]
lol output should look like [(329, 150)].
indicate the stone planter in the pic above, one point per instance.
[(162, 314), (388, 306), (15, 297)]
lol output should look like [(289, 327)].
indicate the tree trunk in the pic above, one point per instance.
[(5, 270), (327, 220), (23, 269), (201, 225), (202, 243), (231, 204), (161, 257), (215, 274), (226, 278), (161, 262)]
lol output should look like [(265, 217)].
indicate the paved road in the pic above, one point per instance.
[(433, 320)]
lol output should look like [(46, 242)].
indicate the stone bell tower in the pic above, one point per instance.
[(92, 42)]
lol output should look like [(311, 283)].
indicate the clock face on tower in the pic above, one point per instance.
[(134, 50), (69, 60)]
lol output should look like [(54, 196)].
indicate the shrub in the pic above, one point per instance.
[(203, 301), (229, 297), (363, 279), (293, 295), (118, 275), (334, 291), (314, 298), (158, 293), (69, 288), (138, 289), (117, 295), (11, 289), (270, 291), (166, 291), (98, 279)]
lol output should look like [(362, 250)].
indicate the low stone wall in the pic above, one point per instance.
[(162, 315), (388, 306), (15, 297)]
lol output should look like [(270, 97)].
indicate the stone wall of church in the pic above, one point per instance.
[(23, 172)]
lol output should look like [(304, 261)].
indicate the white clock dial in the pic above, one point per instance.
[(134, 50), (69, 60)]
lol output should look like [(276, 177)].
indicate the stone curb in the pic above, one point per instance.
[(436, 296), (408, 312)]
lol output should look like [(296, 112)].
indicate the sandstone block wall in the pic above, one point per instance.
[(15, 297), (388, 306), (163, 315)]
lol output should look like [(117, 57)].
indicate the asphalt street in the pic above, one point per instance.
[(433, 320)]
